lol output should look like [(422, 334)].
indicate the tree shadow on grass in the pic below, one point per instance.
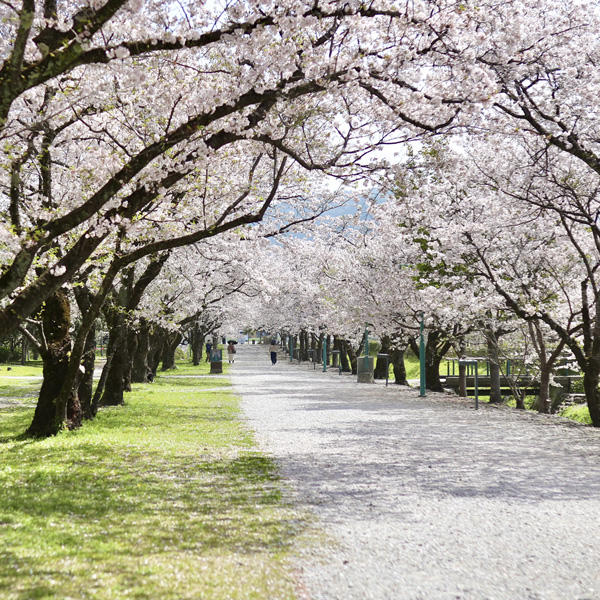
[(139, 496), (106, 507)]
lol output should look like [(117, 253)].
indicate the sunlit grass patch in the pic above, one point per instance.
[(31, 369), (578, 412), (164, 497)]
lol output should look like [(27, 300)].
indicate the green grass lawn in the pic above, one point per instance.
[(185, 367), (164, 498), (32, 368), (578, 412)]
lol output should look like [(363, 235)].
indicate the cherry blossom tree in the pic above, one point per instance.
[(504, 228)]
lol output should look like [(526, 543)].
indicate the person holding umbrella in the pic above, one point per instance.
[(231, 350)]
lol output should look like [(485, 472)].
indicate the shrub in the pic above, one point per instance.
[(8, 355)]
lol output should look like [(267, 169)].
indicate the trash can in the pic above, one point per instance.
[(216, 361), (364, 369)]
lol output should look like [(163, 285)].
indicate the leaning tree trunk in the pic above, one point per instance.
[(397, 358), (51, 415), (114, 384), (171, 344), (382, 364), (102, 381)]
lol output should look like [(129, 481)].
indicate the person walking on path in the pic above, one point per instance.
[(208, 349), (231, 352), (273, 348)]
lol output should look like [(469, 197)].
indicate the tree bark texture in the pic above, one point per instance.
[(397, 358), (382, 365), (462, 380), (51, 415), (114, 384), (197, 337), (86, 383), (342, 347), (171, 342), (592, 394), (84, 390), (494, 359), (139, 367)]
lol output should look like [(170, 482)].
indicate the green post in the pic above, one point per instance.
[(324, 352), (366, 345), (291, 348), (422, 355)]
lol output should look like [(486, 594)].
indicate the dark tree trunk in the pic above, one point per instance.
[(462, 368), (171, 343), (432, 372), (543, 403), (592, 394), (140, 368), (197, 338), (84, 391), (397, 358), (114, 384), (102, 381), (382, 364), (342, 347), (519, 400), (154, 353), (336, 347), (352, 355), (494, 358), (462, 380), (24, 351), (88, 361), (303, 339), (51, 415)]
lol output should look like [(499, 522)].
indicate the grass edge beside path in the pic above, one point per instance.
[(166, 497)]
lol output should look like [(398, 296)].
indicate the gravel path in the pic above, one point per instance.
[(427, 498)]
